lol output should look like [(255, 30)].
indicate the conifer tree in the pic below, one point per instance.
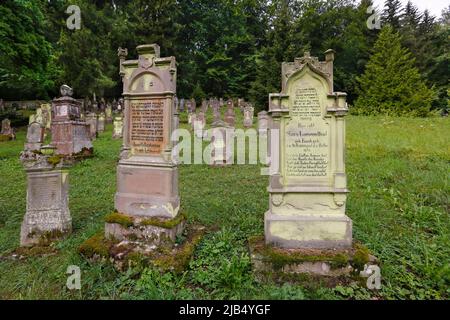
[(391, 84)]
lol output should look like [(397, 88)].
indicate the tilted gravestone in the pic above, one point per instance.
[(147, 175), (47, 216), (308, 186), (70, 134)]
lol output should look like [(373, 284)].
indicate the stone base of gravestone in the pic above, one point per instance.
[(147, 233), (167, 256), (331, 262), (47, 217), (7, 137)]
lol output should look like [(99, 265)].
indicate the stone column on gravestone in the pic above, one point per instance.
[(308, 189), (147, 176), (47, 216)]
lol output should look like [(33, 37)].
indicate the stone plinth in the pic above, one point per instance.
[(47, 216), (70, 134), (308, 186)]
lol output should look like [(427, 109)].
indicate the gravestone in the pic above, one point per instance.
[(108, 113), (263, 123), (204, 106), (47, 216), (221, 136), (91, 121), (308, 186), (101, 122), (70, 134), (199, 124), (230, 114), (248, 116), (118, 128), (190, 112), (35, 136), (147, 176), (182, 105), (47, 115), (7, 130)]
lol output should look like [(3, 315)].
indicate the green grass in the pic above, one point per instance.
[(398, 172)]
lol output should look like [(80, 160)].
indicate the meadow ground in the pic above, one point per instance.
[(398, 174)]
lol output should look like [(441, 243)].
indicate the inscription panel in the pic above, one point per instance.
[(307, 137), (45, 193), (147, 127)]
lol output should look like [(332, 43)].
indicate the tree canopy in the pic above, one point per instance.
[(228, 48)]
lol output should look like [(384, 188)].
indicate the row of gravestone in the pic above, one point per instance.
[(307, 183)]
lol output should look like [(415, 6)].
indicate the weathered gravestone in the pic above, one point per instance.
[(47, 216), (47, 115), (91, 121), (118, 127), (199, 123), (147, 175), (230, 114), (263, 123), (108, 113), (7, 132), (35, 137), (70, 134), (248, 116), (222, 137), (101, 122), (308, 189)]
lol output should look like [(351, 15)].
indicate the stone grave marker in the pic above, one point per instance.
[(263, 123), (101, 122), (118, 127), (91, 120), (230, 114), (308, 189), (47, 216), (35, 136), (70, 134)]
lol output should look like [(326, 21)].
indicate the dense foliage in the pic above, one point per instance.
[(223, 48)]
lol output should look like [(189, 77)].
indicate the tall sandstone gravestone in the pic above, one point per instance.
[(308, 185), (147, 176), (70, 134)]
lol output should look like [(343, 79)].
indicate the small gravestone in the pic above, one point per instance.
[(70, 134), (47, 216), (191, 114), (248, 116), (91, 121), (182, 105), (108, 113), (221, 135), (230, 114), (118, 128), (199, 124), (47, 115), (263, 123), (101, 122), (35, 136), (7, 132)]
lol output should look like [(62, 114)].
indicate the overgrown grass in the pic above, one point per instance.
[(398, 172)]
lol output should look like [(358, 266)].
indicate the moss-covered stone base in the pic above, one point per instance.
[(267, 259), (6, 137), (149, 232), (167, 256)]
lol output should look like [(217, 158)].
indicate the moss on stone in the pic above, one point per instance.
[(35, 251), (5, 137), (361, 256), (164, 223), (179, 260), (96, 245), (54, 160), (119, 218)]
